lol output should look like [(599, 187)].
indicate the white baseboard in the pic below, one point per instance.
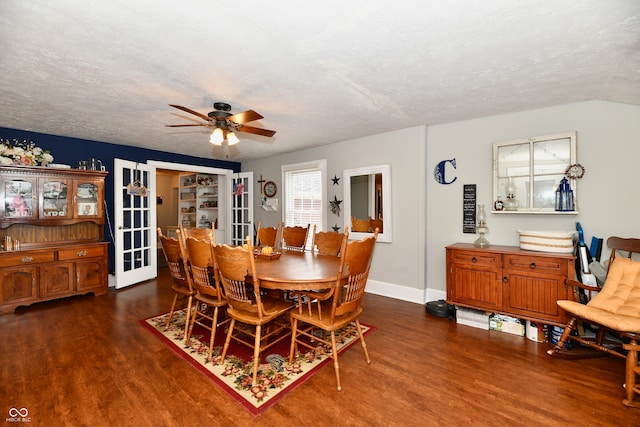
[(435, 295), (419, 296)]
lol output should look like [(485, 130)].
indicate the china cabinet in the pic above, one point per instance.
[(509, 280), (52, 229)]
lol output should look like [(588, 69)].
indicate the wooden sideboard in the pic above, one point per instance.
[(509, 280), (52, 230)]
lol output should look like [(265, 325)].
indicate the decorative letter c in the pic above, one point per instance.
[(439, 174)]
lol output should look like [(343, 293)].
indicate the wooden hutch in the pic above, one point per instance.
[(52, 230)]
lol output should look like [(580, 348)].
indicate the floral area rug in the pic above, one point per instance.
[(275, 376)]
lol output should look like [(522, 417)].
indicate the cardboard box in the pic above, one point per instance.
[(537, 332), (470, 317), (508, 324)]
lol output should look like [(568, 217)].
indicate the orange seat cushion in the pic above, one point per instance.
[(617, 305)]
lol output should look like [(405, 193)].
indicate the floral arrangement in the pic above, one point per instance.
[(23, 153)]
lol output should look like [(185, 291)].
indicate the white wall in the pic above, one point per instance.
[(427, 216), (398, 267), (167, 212), (609, 193)]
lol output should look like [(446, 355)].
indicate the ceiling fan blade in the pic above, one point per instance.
[(257, 131), (190, 111), (179, 126), (245, 117)]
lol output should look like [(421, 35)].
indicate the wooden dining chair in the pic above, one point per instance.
[(360, 225), (247, 307), (197, 233), (326, 242), (375, 223), (339, 315), (614, 308), (181, 285), (294, 238), (209, 297), (268, 236)]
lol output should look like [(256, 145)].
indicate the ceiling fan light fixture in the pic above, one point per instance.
[(232, 138), (217, 137)]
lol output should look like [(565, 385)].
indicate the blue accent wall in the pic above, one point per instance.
[(70, 151)]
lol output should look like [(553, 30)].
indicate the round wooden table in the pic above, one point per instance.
[(298, 271)]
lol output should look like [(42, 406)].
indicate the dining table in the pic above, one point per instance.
[(297, 271)]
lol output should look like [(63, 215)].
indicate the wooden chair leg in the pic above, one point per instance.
[(294, 331), (558, 349), (192, 322), (187, 317), (336, 365), (214, 326), (364, 345), (632, 369), (256, 356), (227, 341), (173, 307)]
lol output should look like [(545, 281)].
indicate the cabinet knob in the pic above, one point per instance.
[(81, 253), (26, 259), (474, 259), (532, 265), (505, 279)]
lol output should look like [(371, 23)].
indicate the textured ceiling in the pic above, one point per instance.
[(319, 73)]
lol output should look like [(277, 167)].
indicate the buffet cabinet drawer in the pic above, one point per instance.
[(18, 258), (81, 252), (478, 259), (537, 264)]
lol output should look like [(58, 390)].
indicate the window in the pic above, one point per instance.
[(529, 171), (304, 194)]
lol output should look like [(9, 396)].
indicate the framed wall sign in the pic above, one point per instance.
[(469, 208)]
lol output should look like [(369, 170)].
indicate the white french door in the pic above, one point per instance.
[(135, 215), (135, 223), (241, 207)]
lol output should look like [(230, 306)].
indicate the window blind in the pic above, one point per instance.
[(303, 197)]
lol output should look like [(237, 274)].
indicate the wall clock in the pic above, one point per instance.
[(270, 188)]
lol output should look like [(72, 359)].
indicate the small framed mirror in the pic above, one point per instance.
[(527, 172), (367, 202)]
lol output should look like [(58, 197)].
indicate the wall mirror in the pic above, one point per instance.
[(367, 201), (530, 171)]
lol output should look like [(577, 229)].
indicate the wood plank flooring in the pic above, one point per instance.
[(85, 361)]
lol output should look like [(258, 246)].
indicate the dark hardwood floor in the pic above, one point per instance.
[(85, 361)]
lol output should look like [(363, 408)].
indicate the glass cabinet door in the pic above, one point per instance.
[(55, 198), (88, 196), (19, 198)]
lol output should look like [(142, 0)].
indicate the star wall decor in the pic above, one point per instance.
[(336, 228), (335, 205), (336, 180)]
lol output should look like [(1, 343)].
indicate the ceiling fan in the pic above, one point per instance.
[(226, 123)]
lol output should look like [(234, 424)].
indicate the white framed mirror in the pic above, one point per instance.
[(527, 172), (367, 202)]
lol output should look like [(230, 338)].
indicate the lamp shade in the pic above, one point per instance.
[(232, 138), (217, 137)]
